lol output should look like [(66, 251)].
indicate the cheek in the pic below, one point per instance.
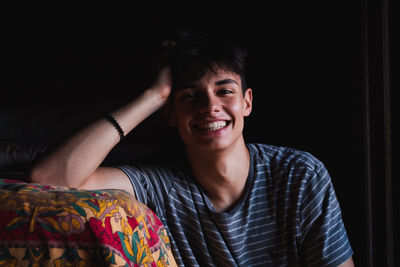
[(180, 117), (180, 107), (236, 107)]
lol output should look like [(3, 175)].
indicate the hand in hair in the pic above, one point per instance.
[(162, 85)]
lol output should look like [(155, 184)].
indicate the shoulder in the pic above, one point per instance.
[(153, 183), (288, 167), (283, 156), (146, 169), (154, 173)]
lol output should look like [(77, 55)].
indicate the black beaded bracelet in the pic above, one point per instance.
[(115, 123)]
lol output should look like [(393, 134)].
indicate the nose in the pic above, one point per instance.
[(209, 104)]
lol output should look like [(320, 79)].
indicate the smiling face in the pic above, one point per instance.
[(209, 112)]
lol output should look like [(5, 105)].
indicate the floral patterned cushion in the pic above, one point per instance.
[(42, 225)]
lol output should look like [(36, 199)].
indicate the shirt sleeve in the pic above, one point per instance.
[(323, 238), (151, 184)]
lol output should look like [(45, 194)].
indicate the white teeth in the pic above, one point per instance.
[(212, 126)]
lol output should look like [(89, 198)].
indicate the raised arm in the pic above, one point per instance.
[(76, 162)]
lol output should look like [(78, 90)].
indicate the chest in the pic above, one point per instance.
[(260, 223)]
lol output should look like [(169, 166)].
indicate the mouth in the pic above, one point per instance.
[(212, 126)]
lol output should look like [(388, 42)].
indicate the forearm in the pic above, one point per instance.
[(79, 156)]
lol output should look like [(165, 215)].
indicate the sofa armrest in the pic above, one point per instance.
[(60, 226)]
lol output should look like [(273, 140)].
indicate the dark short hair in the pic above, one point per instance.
[(192, 55)]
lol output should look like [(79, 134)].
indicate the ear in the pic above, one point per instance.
[(248, 102)]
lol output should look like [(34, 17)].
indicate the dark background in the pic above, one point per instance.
[(65, 66)]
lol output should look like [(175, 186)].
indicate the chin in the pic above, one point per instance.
[(210, 145)]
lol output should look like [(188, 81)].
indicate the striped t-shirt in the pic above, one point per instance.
[(288, 214)]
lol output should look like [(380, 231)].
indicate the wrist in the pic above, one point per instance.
[(163, 84), (158, 94), (116, 125)]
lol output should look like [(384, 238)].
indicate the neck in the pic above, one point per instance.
[(222, 174)]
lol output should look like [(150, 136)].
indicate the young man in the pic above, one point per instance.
[(233, 204)]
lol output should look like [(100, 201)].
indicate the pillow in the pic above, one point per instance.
[(62, 226)]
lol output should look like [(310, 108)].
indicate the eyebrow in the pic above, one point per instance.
[(221, 82), (225, 81)]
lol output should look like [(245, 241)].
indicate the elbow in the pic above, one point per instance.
[(53, 174), (44, 174), (38, 175)]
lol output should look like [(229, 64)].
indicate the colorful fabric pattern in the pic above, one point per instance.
[(43, 225)]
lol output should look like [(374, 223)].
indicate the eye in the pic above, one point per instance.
[(225, 91), (188, 95)]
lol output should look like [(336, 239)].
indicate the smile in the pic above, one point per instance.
[(212, 126)]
